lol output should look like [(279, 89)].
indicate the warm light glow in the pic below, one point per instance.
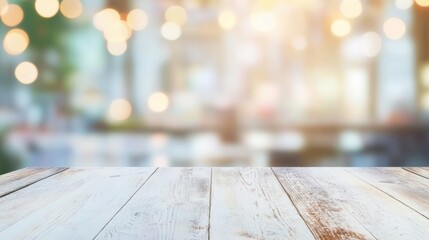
[(171, 31), (394, 28), (227, 20), (340, 28), (3, 6), (47, 8), (351, 8), (424, 75), (299, 42), (119, 110), (423, 3), (26, 72), (71, 8), (158, 102), (105, 18), (117, 48), (117, 32), (137, 19), (404, 4), (264, 22), (15, 42), (176, 14), (371, 44), (12, 15), (425, 102)]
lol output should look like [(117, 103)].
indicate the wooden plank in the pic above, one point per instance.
[(380, 214), (16, 180), (324, 216), (424, 172), (173, 204), (250, 203), (406, 187), (74, 204)]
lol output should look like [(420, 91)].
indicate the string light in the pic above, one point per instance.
[(158, 102), (71, 8), (340, 28), (351, 8), (117, 48), (119, 110), (47, 8), (105, 18), (394, 28), (227, 20), (171, 31), (26, 72), (16, 41), (137, 19), (371, 44), (4, 4), (176, 14), (12, 15)]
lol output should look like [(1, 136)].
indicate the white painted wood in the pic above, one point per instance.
[(250, 203), (404, 186), (326, 218), (21, 178), (173, 204), (421, 171), (379, 213), (75, 204)]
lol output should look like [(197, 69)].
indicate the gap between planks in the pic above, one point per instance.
[(31, 182), (124, 204)]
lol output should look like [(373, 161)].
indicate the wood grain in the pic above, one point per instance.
[(249, 203), (382, 215), (16, 180), (173, 204), (424, 172), (74, 204), (324, 216), (406, 187)]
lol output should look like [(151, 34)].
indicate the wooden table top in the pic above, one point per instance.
[(215, 203)]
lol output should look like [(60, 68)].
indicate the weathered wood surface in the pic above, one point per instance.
[(215, 203), (406, 187), (173, 204), (249, 203), (19, 179)]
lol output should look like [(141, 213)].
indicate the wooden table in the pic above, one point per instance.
[(215, 203)]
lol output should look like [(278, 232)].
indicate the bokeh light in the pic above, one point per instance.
[(404, 4), (394, 28), (119, 110), (423, 3), (117, 48), (171, 31), (137, 19), (16, 41), (371, 44), (47, 8), (12, 15), (158, 102), (351, 8), (26, 72), (71, 8), (227, 20), (105, 18), (176, 14), (264, 22), (340, 28), (118, 31), (3, 6)]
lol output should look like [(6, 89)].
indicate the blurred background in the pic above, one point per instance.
[(214, 83)]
